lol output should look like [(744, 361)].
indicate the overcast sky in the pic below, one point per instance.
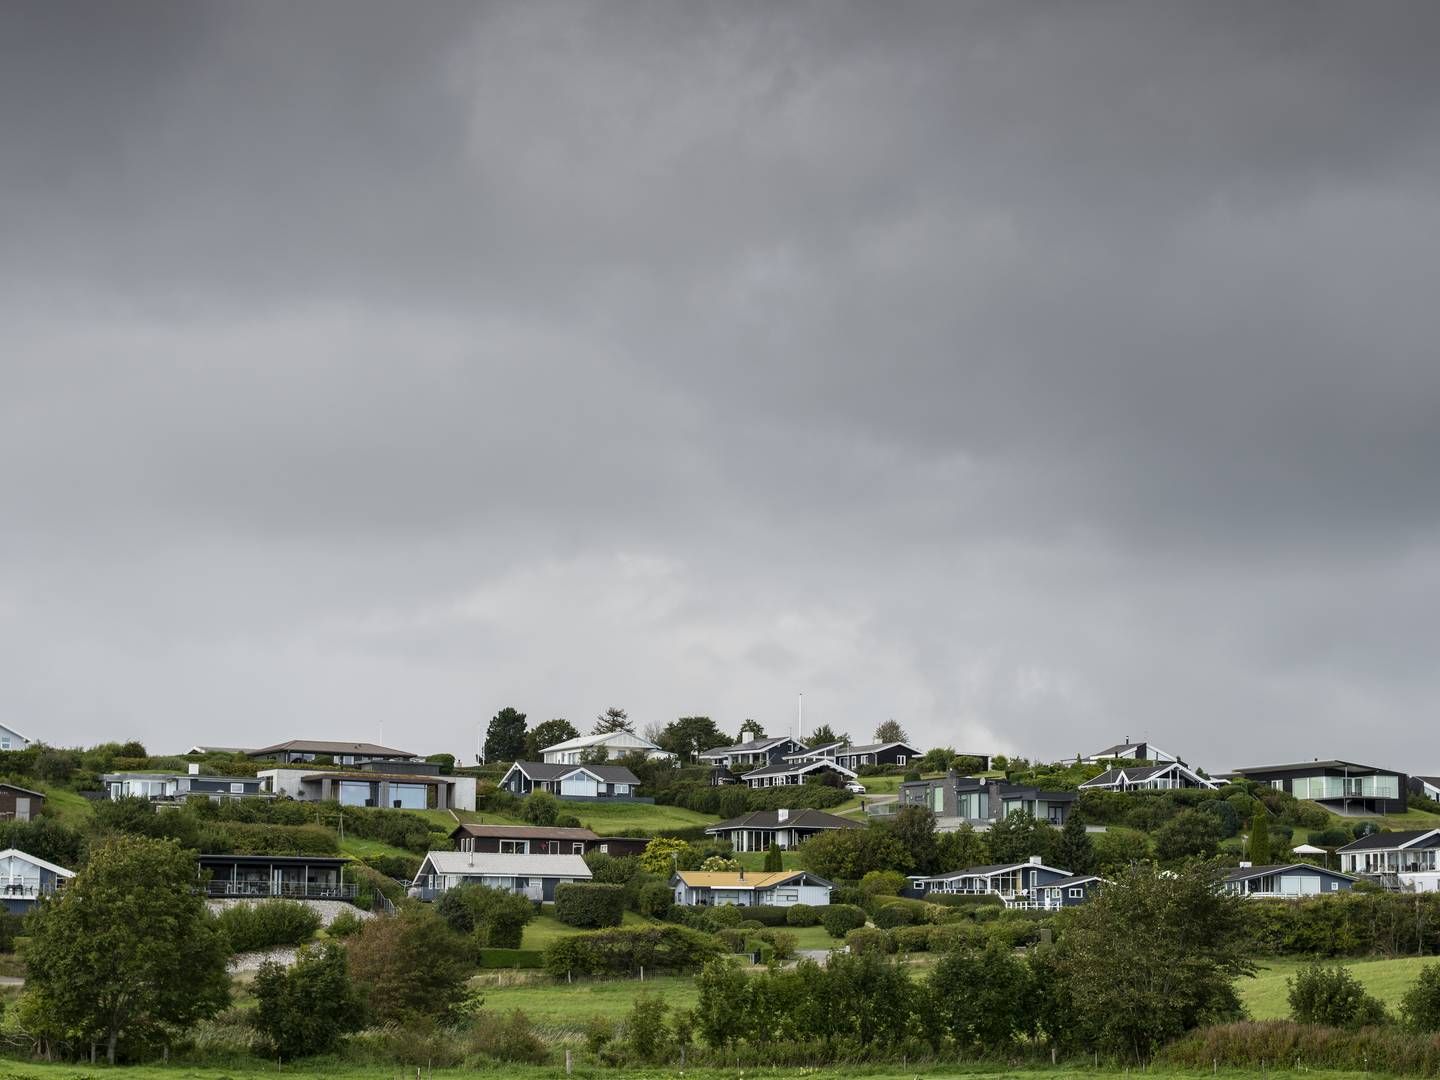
[(1034, 374)]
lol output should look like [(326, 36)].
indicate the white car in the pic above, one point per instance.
[(855, 788)]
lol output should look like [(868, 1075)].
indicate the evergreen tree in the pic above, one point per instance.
[(1074, 851), (505, 737), (751, 729), (824, 735), (891, 731), (1259, 851), (611, 720), (774, 861)]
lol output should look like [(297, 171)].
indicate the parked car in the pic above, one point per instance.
[(855, 788)]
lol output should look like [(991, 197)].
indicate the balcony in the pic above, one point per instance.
[(289, 890), (25, 890)]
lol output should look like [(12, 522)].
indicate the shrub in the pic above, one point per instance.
[(265, 924), (411, 967), (540, 808), (840, 919), (750, 924), (655, 900), (1332, 996), (782, 941), (588, 905), (507, 1038), (645, 1030), (847, 894), (625, 951), (802, 915), (345, 924), (510, 958), (863, 939), (306, 1010), (497, 918), (910, 939), (901, 914), (1420, 1006), (882, 883), (767, 915), (711, 919)]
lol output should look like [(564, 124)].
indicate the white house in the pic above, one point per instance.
[(615, 744), (1148, 777), (534, 876), (570, 781), (1131, 750), (1407, 860), (25, 879), (10, 739), (701, 888)]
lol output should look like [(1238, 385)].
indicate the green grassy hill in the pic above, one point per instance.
[(1265, 996), (607, 819)]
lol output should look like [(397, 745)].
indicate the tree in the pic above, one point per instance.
[(961, 848), (1260, 837), (891, 731), (129, 949), (774, 858), (305, 1011), (1332, 997), (1152, 956), (546, 734), (853, 853), (691, 735), (1117, 849), (751, 729), (1420, 1007), (540, 808), (985, 999), (824, 735), (914, 826), (664, 854), (494, 918), (1018, 837), (411, 967), (611, 720), (1189, 834), (505, 737), (1074, 851)]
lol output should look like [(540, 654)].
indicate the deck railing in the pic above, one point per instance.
[(295, 890)]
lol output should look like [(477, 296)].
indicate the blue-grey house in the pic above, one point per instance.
[(177, 787), (1069, 891), (24, 879), (1286, 881), (1017, 884)]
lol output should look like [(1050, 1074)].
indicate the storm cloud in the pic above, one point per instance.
[(1034, 374)]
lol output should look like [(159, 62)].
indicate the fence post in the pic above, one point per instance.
[(569, 1064)]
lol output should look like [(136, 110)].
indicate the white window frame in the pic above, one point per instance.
[(1076, 892), (237, 789), (900, 759), (577, 848), (515, 847)]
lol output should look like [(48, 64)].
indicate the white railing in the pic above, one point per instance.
[(297, 890)]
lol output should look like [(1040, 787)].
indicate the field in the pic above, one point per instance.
[(544, 929), (608, 819), (24, 1070), (1265, 995), (565, 1008)]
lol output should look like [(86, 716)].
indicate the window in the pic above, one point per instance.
[(514, 847), (1334, 886), (791, 897), (409, 796), (605, 848), (4, 742), (237, 789), (1076, 892), (1278, 785), (899, 759), (577, 848)]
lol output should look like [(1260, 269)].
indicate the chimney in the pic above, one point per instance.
[(194, 768), (742, 873), (1246, 865), (782, 815), (1035, 860)]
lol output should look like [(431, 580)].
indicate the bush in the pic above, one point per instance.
[(507, 1038), (863, 940), (495, 917), (655, 900), (840, 919), (540, 808), (345, 924), (908, 939), (306, 1010), (625, 951), (411, 967), (1332, 996), (882, 883), (265, 924), (645, 1030), (802, 915), (901, 914), (1420, 1007), (848, 894), (588, 905), (767, 915), (781, 941), (711, 919)]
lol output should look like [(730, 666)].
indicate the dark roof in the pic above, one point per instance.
[(873, 748), (26, 790), (991, 868), (287, 860), (403, 778), (1245, 873), (1385, 840), (750, 747), (1024, 790), (1313, 765), (321, 746), (1433, 781), (544, 770), (523, 832), (770, 819)]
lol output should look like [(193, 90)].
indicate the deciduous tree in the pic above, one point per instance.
[(890, 731), (691, 735), (546, 734), (308, 1009)]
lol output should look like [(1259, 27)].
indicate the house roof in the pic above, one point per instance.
[(1245, 873), (323, 746), (1139, 773), (1333, 764), (875, 748), (276, 860), (796, 819), (754, 746), (218, 750), (1073, 879), (782, 768), (1385, 841), (581, 742), (740, 879), (1433, 781), (433, 779), (544, 770), (33, 860), (12, 731), (496, 864), (523, 832), (989, 870), (813, 751)]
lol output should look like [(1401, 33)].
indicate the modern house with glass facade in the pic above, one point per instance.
[(1343, 787), (955, 799), (386, 784), (177, 787)]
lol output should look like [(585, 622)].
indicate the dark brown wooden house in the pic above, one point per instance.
[(541, 840), (19, 804)]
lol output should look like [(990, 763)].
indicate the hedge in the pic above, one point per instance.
[(1295, 1046), (767, 915), (802, 915), (588, 905), (840, 919), (625, 951), (238, 838), (510, 958), (264, 924)]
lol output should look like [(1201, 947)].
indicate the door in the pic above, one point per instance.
[(22, 809)]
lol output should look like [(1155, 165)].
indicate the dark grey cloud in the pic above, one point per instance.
[(1032, 373)]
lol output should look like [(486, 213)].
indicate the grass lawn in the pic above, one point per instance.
[(65, 806), (813, 937), (569, 1006), (358, 847), (544, 929), (755, 860), (1266, 994), (610, 818)]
